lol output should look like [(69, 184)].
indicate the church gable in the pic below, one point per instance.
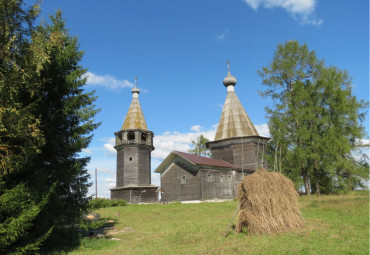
[(178, 184)]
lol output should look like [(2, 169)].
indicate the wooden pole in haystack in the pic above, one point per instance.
[(231, 222), (258, 150)]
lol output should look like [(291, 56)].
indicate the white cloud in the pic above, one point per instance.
[(108, 146), (169, 141), (87, 151), (364, 142), (221, 36), (109, 149), (302, 10), (263, 130), (156, 179), (107, 81), (110, 180), (196, 128)]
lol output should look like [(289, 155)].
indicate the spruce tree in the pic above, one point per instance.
[(66, 115), (46, 119), (20, 134)]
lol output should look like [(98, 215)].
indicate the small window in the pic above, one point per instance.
[(130, 158), (209, 177), (229, 178), (222, 178), (143, 137), (183, 179), (131, 136)]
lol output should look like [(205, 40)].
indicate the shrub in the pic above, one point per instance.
[(98, 203)]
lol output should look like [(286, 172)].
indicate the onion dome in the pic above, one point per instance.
[(229, 80), (135, 91)]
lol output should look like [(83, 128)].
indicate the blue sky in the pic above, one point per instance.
[(178, 50)]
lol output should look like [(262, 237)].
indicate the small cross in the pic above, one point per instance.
[(135, 82), (228, 66)]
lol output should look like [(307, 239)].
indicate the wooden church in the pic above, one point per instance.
[(237, 150)]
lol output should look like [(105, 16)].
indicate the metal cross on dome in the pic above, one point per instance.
[(228, 66), (135, 82)]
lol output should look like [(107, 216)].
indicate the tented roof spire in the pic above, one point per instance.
[(234, 120), (135, 117)]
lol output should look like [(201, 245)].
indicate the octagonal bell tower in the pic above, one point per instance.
[(134, 144)]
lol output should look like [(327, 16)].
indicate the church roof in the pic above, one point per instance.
[(199, 160), (195, 160), (135, 117), (234, 121)]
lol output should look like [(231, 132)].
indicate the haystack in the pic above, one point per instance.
[(268, 203)]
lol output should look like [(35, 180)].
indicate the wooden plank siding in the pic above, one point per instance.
[(140, 195), (133, 166), (174, 190), (120, 173), (144, 166), (247, 155), (179, 185)]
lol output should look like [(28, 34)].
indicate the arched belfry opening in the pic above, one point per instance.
[(131, 136), (134, 144), (143, 137)]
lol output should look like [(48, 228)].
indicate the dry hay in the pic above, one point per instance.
[(268, 203)]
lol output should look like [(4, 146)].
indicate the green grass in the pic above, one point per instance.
[(334, 225)]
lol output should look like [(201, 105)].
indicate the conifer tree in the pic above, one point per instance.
[(66, 115), (315, 120), (46, 119), (20, 134)]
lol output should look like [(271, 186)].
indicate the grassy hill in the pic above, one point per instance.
[(334, 225)]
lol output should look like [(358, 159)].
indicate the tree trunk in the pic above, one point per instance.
[(317, 188), (306, 183), (317, 178)]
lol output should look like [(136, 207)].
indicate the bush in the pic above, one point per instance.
[(98, 203)]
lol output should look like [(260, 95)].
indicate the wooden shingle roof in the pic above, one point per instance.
[(194, 160), (234, 121), (199, 160), (135, 117)]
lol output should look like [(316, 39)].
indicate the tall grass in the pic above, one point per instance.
[(334, 225)]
